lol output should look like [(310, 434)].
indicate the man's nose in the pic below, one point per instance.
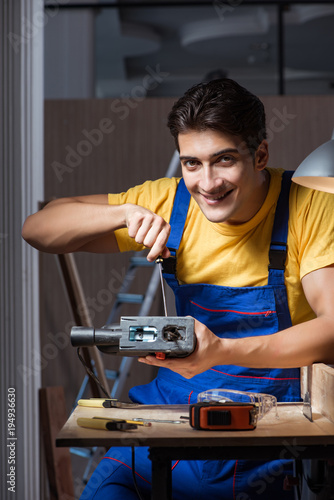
[(210, 180)]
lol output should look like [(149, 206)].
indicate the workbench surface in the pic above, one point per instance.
[(291, 428)]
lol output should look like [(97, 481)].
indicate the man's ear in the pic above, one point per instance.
[(262, 156)]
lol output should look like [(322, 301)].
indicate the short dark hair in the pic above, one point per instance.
[(222, 105)]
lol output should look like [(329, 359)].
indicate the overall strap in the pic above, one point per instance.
[(278, 245), (177, 221)]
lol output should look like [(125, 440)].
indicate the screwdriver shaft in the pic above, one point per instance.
[(159, 262)]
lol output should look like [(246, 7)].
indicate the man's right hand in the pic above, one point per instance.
[(148, 229), (88, 223)]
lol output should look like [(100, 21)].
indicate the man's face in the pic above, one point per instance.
[(227, 183)]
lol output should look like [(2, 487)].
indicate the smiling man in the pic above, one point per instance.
[(228, 184), (253, 259)]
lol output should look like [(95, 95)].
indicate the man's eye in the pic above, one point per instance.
[(226, 159), (190, 163)]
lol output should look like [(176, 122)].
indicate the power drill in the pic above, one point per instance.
[(162, 336)]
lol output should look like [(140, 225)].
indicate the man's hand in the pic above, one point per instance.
[(147, 229), (208, 353)]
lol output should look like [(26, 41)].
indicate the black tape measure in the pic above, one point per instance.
[(223, 416)]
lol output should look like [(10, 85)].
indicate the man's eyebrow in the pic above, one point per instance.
[(222, 151)]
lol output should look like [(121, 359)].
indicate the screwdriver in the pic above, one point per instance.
[(159, 260)]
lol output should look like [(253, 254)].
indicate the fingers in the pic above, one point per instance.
[(148, 229), (185, 368), (165, 253), (159, 246)]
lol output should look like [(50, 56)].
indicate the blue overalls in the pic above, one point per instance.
[(228, 312)]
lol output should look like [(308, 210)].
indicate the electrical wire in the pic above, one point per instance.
[(91, 374), (134, 472)]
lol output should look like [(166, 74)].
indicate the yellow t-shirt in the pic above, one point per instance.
[(238, 255)]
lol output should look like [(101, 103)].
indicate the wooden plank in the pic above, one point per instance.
[(322, 390), (58, 461), (303, 380), (82, 317), (292, 428)]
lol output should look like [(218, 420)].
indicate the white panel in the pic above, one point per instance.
[(21, 187)]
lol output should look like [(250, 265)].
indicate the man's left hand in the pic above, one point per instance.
[(208, 353)]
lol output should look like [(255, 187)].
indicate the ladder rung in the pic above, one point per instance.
[(82, 452), (130, 298), (111, 374), (141, 261)]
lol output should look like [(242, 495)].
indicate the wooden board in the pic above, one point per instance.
[(291, 428), (322, 390), (58, 461)]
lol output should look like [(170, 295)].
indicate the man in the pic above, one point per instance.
[(253, 264)]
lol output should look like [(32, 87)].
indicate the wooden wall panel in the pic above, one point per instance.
[(139, 148), (118, 160), (296, 126)]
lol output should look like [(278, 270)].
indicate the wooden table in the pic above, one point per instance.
[(290, 436)]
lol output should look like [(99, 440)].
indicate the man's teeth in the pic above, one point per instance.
[(218, 197)]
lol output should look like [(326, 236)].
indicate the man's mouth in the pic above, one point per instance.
[(216, 198)]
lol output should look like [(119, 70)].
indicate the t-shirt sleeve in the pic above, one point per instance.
[(314, 229), (157, 196)]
